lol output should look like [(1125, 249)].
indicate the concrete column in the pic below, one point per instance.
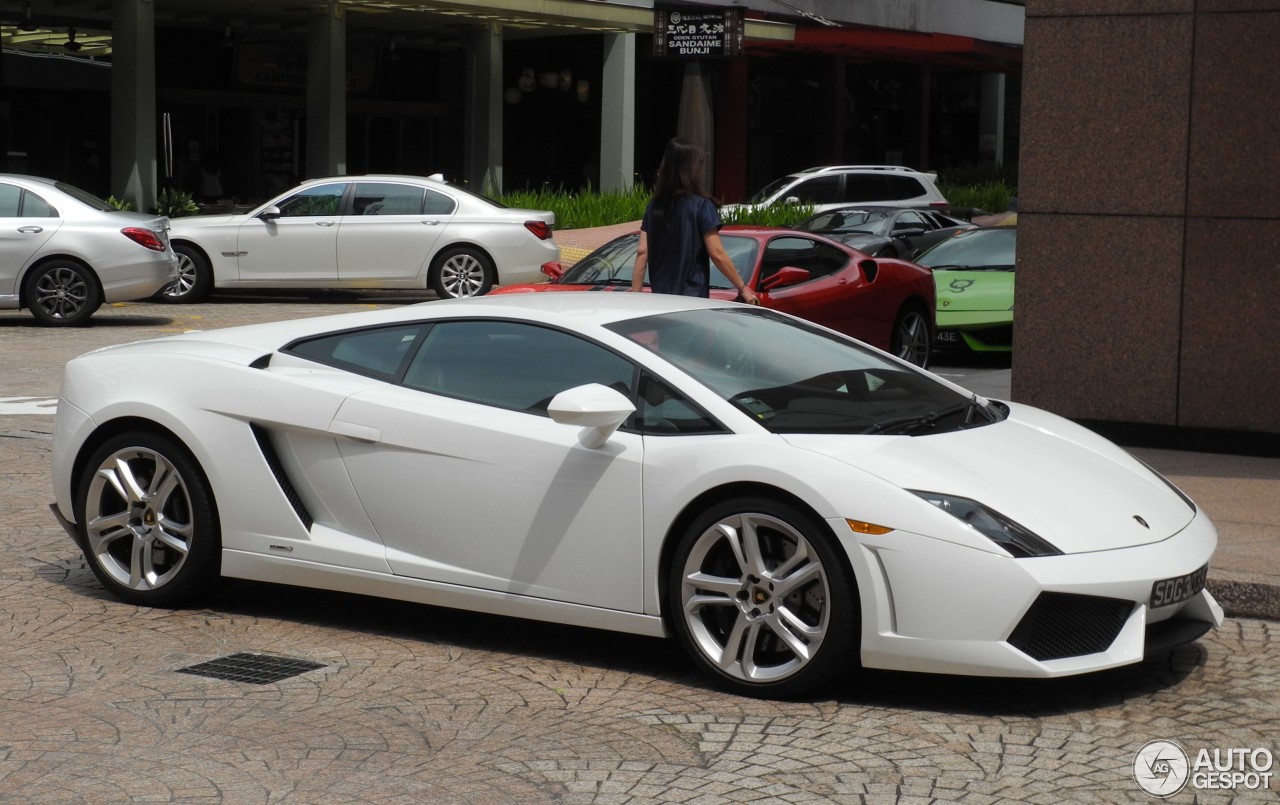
[(483, 127), (991, 118), (731, 132), (326, 92), (618, 113), (134, 123), (696, 122)]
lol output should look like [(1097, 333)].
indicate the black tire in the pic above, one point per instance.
[(195, 277), (782, 626), (912, 340), (62, 293), (462, 272), (146, 521)]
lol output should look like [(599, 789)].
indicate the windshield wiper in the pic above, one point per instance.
[(911, 424)]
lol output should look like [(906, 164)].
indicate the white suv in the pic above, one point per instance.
[(842, 185)]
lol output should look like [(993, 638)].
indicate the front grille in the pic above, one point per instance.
[(255, 669), (1062, 625)]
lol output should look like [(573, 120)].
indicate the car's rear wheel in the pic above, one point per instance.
[(761, 600), (462, 272), (911, 339), (195, 277), (62, 293), (146, 520)]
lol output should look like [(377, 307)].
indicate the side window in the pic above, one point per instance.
[(902, 187), (818, 190), (742, 252), (911, 220), (512, 365), (319, 200), (35, 207), (375, 198), (819, 259), (379, 353), (866, 187), (10, 200), (660, 410), (439, 204)]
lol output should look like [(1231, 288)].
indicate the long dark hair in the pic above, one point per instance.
[(680, 173)]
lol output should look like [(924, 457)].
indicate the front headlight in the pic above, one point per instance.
[(992, 524)]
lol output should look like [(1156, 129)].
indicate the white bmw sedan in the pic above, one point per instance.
[(64, 252), (784, 500), (364, 232)]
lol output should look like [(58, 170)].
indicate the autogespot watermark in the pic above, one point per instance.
[(1163, 769)]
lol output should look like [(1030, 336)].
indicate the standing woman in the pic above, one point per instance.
[(680, 233)]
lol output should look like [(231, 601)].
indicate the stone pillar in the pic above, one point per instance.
[(695, 121), (326, 92), (618, 113), (483, 127), (134, 124)]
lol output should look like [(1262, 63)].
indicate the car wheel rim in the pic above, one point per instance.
[(61, 293), (462, 275), (755, 598), (186, 278), (138, 519), (913, 339)]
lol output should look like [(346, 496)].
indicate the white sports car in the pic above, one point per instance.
[(785, 500), (364, 232)]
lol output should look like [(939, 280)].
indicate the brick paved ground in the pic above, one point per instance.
[(421, 705)]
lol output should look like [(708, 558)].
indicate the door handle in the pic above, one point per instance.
[(325, 223), (361, 433), (31, 230), (430, 223)]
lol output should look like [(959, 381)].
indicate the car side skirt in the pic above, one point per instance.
[(257, 567)]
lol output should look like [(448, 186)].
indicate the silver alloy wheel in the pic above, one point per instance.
[(138, 518), (462, 275), (912, 338), (187, 274), (755, 598), (62, 292)]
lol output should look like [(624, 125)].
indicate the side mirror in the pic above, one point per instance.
[(597, 409), (791, 200), (787, 275), (553, 269), (270, 213)]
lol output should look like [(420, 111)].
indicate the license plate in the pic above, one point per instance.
[(1176, 590), (948, 337)]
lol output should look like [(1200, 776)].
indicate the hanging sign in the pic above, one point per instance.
[(692, 33)]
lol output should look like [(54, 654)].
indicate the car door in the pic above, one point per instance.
[(828, 297), (390, 230), (469, 482), (298, 246), (26, 223)]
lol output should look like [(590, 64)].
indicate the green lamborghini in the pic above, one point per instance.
[(973, 272)]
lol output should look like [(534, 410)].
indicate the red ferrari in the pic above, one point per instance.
[(885, 302)]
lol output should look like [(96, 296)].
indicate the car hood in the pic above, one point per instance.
[(962, 290), (1061, 481)]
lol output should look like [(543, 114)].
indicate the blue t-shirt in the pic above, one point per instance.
[(678, 259)]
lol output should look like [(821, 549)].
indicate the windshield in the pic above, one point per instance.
[(770, 189), (611, 264), (845, 222), (991, 249), (792, 377), (85, 197)]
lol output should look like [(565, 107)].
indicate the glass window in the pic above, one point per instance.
[(35, 207), (902, 187), (10, 200), (866, 187), (440, 204), (911, 220), (378, 353), (376, 198), (319, 200), (818, 190), (819, 259), (511, 364), (661, 409)]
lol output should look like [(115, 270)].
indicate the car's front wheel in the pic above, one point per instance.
[(195, 277), (62, 293), (911, 339), (761, 600), (462, 272), (146, 520)]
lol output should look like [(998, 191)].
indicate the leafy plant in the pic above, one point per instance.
[(121, 204), (773, 215), (175, 203)]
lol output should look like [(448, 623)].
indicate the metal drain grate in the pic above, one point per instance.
[(255, 669)]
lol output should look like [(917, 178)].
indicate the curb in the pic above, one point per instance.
[(1246, 599)]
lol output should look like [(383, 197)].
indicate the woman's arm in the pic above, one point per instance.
[(642, 260), (715, 248)]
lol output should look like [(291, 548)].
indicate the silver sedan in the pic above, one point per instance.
[(365, 232), (64, 252)]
